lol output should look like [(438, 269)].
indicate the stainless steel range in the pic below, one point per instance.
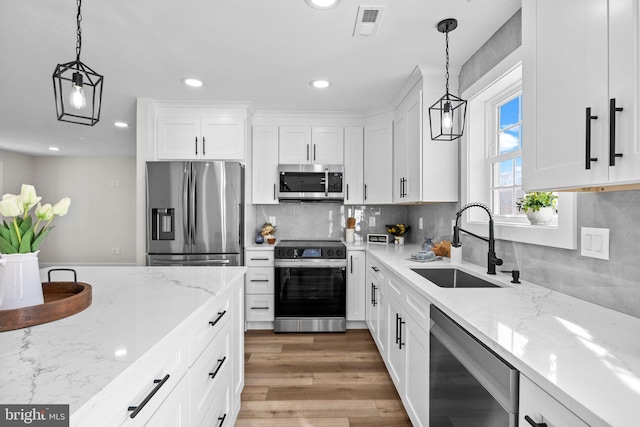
[(310, 286)]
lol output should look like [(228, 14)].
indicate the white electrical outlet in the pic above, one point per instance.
[(372, 221), (420, 224), (115, 251), (594, 242), (272, 220)]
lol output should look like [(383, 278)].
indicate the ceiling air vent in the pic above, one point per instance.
[(368, 21)]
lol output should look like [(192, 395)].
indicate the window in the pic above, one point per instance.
[(491, 162)]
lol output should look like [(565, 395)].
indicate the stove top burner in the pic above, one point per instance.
[(310, 249)]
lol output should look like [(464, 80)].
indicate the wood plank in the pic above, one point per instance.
[(292, 422), (391, 408), (308, 409), (263, 348), (320, 356), (315, 392), (254, 393), (272, 379), (379, 422), (351, 378)]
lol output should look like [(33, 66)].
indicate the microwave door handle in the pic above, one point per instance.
[(326, 182)]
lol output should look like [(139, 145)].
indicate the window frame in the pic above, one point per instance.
[(475, 175)]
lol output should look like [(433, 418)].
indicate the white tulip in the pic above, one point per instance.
[(62, 207), (45, 212), (11, 206), (29, 196)]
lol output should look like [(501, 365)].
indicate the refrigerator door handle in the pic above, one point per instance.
[(185, 205), (194, 210)]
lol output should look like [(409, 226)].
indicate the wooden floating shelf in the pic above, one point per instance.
[(61, 299)]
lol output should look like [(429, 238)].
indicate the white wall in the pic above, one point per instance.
[(15, 169), (102, 212)]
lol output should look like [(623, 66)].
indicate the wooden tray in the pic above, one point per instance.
[(61, 299)]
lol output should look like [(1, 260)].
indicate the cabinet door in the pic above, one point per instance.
[(624, 50), (178, 138), (396, 328), (237, 346), (327, 145), (369, 312), (354, 166), (378, 152), (260, 308), (295, 145), (542, 408), (356, 298), (399, 159), (416, 398), (564, 73), (264, 165), (223, 138), (174, 411)]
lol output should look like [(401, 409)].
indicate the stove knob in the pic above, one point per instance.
[(340, 253), (289, 252), (330, 253), (280, 253)]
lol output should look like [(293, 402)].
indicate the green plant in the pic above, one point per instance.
[(20, 234), (536, 200)]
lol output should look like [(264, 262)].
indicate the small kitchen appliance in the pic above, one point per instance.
[(316, 183), (310, 286)]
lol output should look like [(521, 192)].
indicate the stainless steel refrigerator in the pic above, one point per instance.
[(195, 213)]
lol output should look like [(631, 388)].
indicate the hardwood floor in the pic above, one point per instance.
[(310, 380)]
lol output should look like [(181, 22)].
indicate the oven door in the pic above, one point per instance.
[(310, 298)]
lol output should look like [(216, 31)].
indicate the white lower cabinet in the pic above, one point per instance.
[(174, 411), (375, 298), (219, 414), (539, 407), (356, 298), (259, 288)]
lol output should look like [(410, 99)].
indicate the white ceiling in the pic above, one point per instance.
[(263, 51)]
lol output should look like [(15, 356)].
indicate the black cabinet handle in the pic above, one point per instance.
[(217, 319), (274, 192), (351, 256), (259, 259), (136, 409), (220, 362), (221, 419), (347, 191), (588, 158), (400, 340), (307, 152), (612, 132), (528, 419), (314, 152), (259, 308), (196, 145), (374, 268), (365, 191), (203, 147), (397, 328), (373, 295)]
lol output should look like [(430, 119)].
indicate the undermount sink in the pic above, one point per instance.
[(453, 278)]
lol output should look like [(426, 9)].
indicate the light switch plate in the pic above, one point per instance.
[(420, 224), (594, 242), (272, 220)]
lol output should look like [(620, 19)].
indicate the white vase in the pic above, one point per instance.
[(540, 217), (20, 284)]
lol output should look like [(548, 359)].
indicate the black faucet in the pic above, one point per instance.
[(492, 259)]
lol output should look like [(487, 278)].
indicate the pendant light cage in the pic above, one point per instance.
[(447, 115), (73, 75)]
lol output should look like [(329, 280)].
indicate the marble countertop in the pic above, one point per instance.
[(584, 355), (70, 360)]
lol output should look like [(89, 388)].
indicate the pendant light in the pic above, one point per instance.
[(447, 115), (77, 88)]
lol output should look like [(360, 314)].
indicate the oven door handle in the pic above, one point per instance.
[(337, 263), (326, 177)]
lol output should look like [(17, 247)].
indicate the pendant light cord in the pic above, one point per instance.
[(79, 33), (446, 33)]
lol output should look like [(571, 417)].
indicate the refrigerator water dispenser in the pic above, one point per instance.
[(162, 225)]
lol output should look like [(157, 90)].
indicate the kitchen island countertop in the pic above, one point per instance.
[(70, 360), (586, 356)]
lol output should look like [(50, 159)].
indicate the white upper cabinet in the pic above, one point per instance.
[(580, 94), (407, 150), (184, 132), (265, 165), (378, 153), (353, 165), (307, 145)]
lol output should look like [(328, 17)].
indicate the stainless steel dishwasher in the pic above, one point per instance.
[(470, 385)]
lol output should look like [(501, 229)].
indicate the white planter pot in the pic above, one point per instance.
[(20, 284), (541, 217)]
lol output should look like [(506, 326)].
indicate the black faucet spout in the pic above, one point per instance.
[(492, 259)]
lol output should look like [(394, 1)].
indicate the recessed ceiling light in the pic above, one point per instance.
[(192, 82), (54, 149), (121, 124), (320, 84), (322, 4)]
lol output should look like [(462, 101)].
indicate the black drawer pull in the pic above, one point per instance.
[(588, 158), (220, 314), (220, 362), (259, 280), (528, 419), (259, 308), (221, 419), (612, 131), (136, 409), (374, 268), (259, 259)]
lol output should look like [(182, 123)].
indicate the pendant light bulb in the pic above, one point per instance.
[(447, 117), (77, 98)]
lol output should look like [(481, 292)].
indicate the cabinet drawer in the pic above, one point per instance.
[(259, 258), (375, 269), (260, 308), (161, 372), (174, 411), (260, 280), (209, 321), (417, 306), (220, 412), (210, 372)]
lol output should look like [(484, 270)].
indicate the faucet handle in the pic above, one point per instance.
[(515, 275)]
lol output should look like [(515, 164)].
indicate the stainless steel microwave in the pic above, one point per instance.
[(320, 183)]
